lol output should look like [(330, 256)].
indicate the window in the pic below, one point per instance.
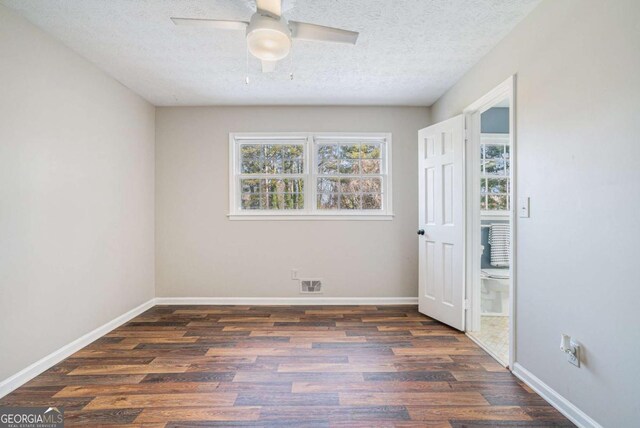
[(495, 190), (272, 176), (286, 176)]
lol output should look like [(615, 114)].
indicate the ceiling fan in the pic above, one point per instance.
[(269, 33)]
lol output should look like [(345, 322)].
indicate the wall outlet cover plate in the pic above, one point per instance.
[(574, 358)]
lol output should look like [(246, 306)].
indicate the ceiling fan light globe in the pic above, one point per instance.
[(268, 44)]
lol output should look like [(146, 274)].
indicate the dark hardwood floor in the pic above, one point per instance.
[(337, 366)]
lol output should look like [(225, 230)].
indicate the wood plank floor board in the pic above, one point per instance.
[(230, 367), (35, 391), (282, 423), (146, 333), (109, 361), (232, 413), (287, 399), (413, 398), (275, 344), (203, 359), (508, 424), (276, 377), (416, 375), (283, 366), (511, 398), (139, 340), (350, 339), (199, 347), (330, 359), (487, 413), (110, 353), (97, 418), (64, 380), (255, 387), (138, 388), (400, 359), (546, 413), (69, 403), (371, 386), (189, 377), (146, 401), (335, 368), (111, 369), (212, 340), (336, 413)]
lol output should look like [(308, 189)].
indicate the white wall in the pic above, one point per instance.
[(76, 196), (578, 92), (200, 252)]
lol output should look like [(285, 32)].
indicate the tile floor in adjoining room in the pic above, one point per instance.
[(494, 334)]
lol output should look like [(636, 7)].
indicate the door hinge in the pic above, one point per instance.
[(467, 304)]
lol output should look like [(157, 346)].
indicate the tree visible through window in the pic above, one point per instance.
[(495, 194), (278, 182), (349, 176), (310, 174)]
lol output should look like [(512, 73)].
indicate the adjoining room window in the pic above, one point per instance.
[(495, 190), (322, 175)]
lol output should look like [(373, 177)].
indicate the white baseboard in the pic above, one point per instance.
[(286, 301), (25, 375), (563, 405)]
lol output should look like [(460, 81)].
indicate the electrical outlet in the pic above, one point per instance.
[(294, 273), (574, 358), (571, 349)]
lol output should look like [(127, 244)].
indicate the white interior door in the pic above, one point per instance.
[(441, 222)]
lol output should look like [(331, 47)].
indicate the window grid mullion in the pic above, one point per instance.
[(310, 199)]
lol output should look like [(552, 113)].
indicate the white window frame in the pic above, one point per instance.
[(310, 176)]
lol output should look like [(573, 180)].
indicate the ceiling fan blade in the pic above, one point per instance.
[(320, 33), (271, 7), (268, 66), (211, 23)]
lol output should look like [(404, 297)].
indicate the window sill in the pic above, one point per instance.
[(314, 217), (489, 213)]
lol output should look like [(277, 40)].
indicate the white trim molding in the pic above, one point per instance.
[(286, 301), (45, 363), (563, 405), (506, 89), (330, 217)]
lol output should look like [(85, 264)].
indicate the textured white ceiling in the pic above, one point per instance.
[(409, 51)]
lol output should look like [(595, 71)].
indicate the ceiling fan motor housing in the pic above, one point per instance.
[(268, 38)]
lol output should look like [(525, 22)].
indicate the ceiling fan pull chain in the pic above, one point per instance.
[(246, 79), (291, 64)]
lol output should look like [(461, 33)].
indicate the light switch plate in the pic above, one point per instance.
[(523, 207)]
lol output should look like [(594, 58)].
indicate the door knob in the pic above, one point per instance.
[(421, 232)]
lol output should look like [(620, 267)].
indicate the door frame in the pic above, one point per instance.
[(506, 89)]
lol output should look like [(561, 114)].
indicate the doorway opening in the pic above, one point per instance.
[(490, 222), (466, 233)]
